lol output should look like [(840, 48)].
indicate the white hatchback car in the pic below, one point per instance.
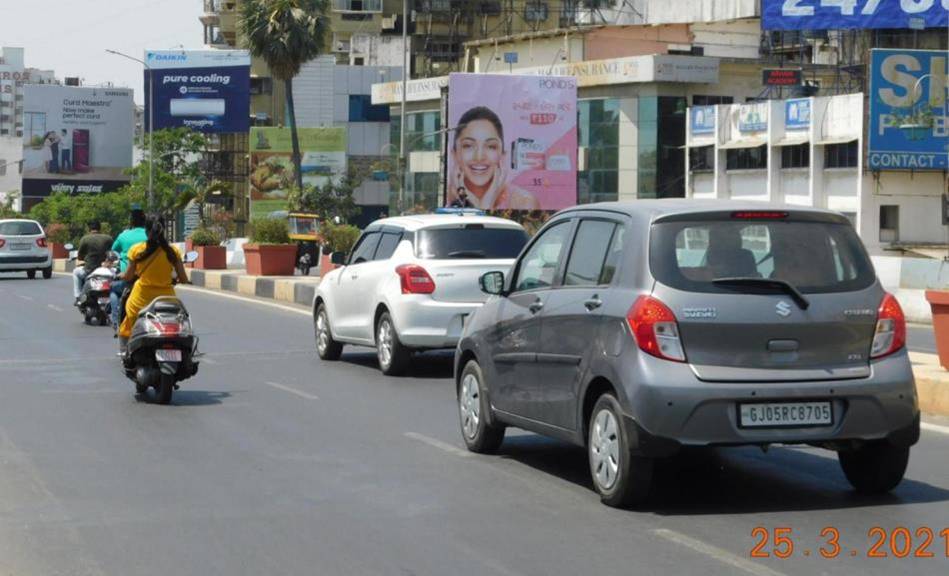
[(409, 284), (23, 248)]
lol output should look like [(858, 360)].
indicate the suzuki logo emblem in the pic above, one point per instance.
[(783, 309)]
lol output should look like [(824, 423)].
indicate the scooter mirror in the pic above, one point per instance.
[(68, 246), (73, 254), (191, 257)]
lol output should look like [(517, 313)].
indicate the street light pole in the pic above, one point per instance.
[(405, 83), (151, 123)]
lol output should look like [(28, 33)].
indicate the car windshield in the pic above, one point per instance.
[(728, 255), (20, 228), (470, 241)]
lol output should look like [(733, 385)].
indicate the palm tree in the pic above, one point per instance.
[(286, 34)]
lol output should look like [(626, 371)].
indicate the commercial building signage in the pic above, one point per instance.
[(849, 14), (513, 142), (797, 114), (702, 120), (75, 140), (782, 77), (753, 117), (909, 125), (323, 159), (205, 90)]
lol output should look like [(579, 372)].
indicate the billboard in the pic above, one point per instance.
[(205, 90), (512, 142), (76, 140), (753, 117), (849, 14), (703, 120), (909, 124), (323, 159), (797, 114)]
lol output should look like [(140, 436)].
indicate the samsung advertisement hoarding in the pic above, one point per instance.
[(909, 125), (853, 14), (512, 142), (75, 140), (205, 90)]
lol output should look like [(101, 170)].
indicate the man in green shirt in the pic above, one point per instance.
[(92, 251), (135, 234)]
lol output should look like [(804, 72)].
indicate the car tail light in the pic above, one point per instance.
[(759, 215), (655, 329), (890, 334), (41, 242), (415, 279), (2, 242)]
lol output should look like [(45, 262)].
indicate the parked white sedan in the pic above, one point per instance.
[(23, 248), (409, 284)]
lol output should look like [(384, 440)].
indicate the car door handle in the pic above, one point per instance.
[(536, 306), (593, 303)]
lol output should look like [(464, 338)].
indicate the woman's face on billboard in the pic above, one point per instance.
[(479, 152)]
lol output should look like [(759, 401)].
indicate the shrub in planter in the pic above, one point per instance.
[(58, 236), (211, 255), (336, 238), (269, 252)]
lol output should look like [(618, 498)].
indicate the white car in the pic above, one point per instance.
[(23, 248), (409, 284)]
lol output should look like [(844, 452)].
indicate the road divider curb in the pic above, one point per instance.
[(932, 383), (291, 290)]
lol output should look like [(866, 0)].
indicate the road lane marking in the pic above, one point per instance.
[(284, 307), (934, 428), (434, 442), (206, 360), (299, 393), (717, 553), (23, 297), (54, 307)]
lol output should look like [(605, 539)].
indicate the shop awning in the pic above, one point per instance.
[(836, 140), (753, 143), (793, 140)]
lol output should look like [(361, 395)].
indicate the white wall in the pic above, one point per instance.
[(530, 53), (747, 184), (739, 39), (680, 11)]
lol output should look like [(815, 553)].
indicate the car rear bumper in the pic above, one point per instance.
[(426, 323), (17, 262), (689, 412)]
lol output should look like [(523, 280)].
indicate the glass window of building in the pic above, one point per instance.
[(702, 100), (702, 159), (661, 169), (598, 133), (798, 156), (841, 155), (747, 158)]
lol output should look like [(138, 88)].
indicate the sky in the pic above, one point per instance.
[(71, 36)]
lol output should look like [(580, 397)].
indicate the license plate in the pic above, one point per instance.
[(785, 415), (103, 301), (163, 355), (19, 246)]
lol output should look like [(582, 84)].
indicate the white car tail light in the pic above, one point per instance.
[(415, 279), (41, 242), (890, 335), (655, 329), (2, 242)]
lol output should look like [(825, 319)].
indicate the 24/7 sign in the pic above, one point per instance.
[(909, 127), (847, 14)]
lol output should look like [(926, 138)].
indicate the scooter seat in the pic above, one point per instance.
[(164, 305)]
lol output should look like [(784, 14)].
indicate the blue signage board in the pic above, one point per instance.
[(510, 57), (797, 114), (205, 90), (703, 120), (850, 14), (753, 117), (909, 124)]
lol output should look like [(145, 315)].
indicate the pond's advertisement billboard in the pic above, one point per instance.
[(512, 142), (75, 140)]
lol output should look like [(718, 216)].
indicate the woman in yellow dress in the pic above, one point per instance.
[(151, 264)]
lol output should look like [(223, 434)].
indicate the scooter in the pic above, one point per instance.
[(162, 349), (94, 304)]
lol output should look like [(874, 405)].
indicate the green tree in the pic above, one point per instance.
[(201, 190), (333, 199), (177, 162), (286, 34), (7, 209), (111, 209)]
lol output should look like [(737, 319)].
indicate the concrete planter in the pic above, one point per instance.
[(58, 250), (326, 266), (211, 257), (270, 259), (939, 302)]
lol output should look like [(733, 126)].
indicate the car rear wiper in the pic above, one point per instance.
[(785, 287), (467, 254)]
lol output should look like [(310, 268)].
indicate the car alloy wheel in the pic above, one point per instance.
[(384, 342), (470, 401), (605, 449), (322, 332)]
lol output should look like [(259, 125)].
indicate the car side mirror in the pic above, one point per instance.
[(338, 258), (191, 257), (492, 282), (73, 254), (68, 246)]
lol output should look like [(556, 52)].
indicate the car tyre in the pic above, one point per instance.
[(874, 468), (394, 357), (621, 478), (326, 347), (47, 273), (31, 274), (474, 409)]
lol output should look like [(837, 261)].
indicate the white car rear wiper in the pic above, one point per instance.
[(785, 287), (467, 254)]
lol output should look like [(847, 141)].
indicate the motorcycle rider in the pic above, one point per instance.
[(150, 266), (133, 235), (93, 248)]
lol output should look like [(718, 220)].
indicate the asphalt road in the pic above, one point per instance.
[(272, 462)]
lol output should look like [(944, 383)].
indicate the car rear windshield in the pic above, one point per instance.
[(470, 241), (20, 228), (812, 256)]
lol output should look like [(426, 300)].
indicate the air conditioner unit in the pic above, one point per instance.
[(389, 22)]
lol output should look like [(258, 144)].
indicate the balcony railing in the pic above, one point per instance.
[(357, 5)]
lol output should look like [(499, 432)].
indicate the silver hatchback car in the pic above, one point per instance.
[(635, 329)]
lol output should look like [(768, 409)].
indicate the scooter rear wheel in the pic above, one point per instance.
[(166, 385)]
